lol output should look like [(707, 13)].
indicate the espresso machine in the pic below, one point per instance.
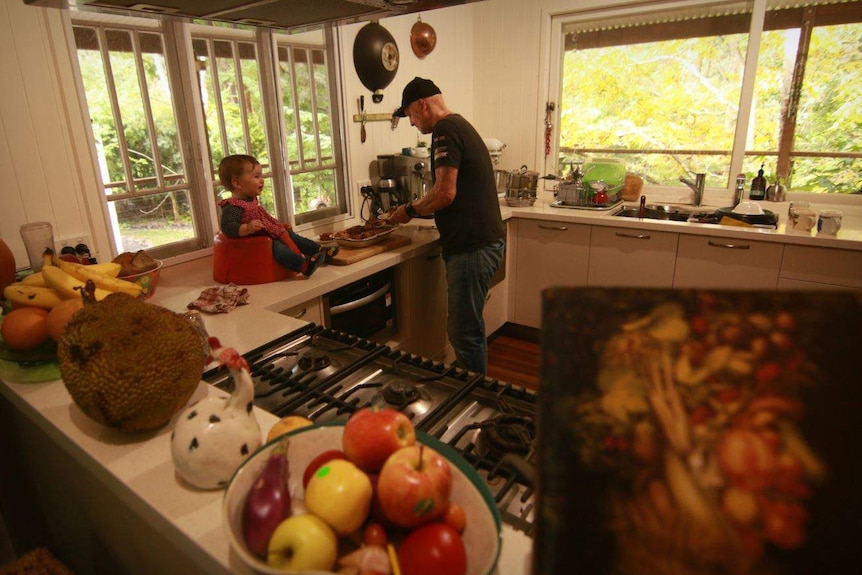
[(413, 175), (389, 194)]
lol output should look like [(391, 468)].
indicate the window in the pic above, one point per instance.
[(668, 92), (153, 181)]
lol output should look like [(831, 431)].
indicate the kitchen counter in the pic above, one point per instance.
[(120, 491), (849, 237)]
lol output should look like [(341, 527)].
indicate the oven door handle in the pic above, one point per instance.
[(351, 305)]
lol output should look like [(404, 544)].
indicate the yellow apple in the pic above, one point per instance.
[(302, 543), (286, 424), (340, 494)]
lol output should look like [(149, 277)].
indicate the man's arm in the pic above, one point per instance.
[(438, 197)]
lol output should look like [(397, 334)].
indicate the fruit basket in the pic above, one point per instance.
[(481, 535)]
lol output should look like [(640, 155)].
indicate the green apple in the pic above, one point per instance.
[(340, 494), (302, 543)]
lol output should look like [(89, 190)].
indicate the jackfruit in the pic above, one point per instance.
[(129, 364)]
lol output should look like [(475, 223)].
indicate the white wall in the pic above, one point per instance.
[(490, 62)]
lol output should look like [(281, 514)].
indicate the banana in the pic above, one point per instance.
[(30, 295), (107, 283), (35, 279), (109, 269), (68, 286)]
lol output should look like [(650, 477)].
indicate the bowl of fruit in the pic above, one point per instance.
[(371, 495)]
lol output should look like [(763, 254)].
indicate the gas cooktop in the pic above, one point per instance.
[(327, 375)]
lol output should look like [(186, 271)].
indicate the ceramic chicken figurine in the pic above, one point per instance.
[(215, 435)]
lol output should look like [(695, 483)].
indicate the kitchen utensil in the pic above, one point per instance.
[(362, 113), (481, 535), (423, 38), (748, 208), (801, 218), (37, 236), (364, 242), (766, 218), (609, 170), (829, 222), (375, 57)]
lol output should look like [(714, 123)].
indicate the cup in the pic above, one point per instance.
[(797, 204), (801, 219), (829, 222), (37, 236)]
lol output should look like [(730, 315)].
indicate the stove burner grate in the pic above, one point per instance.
[(400, 394), (314, 360), (507, 434)]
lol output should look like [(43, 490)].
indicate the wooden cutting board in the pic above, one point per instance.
[(347, 256)]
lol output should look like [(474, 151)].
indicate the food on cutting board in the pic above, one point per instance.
[(129, 364), (371, 228), (333, 524)]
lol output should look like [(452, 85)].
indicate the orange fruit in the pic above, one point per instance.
[(60, 315), (25, 328)]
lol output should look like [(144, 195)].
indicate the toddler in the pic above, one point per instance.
[(242, 215)]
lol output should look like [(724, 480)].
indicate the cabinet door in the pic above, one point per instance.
[(822, 266), (428, 307), (549, 254), (630, 257), (732, 263), (309, 311)]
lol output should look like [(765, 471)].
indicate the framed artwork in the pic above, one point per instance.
[(687, 432)]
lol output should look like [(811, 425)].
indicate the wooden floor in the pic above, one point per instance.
[(514, 361)]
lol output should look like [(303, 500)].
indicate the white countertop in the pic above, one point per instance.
[(140, 470)]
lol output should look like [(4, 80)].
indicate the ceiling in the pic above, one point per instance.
[(286, 14)]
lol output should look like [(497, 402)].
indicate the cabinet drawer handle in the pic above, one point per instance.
[(729, 246), (633, 236), (301, 313), (432, 257), (557, 228)]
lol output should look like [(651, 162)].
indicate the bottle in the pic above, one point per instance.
[(758, 186)]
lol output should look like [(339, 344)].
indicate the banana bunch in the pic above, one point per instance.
[(61, 280)]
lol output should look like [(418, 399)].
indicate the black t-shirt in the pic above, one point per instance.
[(473, 220)]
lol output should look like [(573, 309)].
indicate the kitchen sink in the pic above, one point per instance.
[(657, 212)]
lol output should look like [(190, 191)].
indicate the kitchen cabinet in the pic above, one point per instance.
[(630, 257), (730, 263), (310, 311), (426, 305), (806, 267), (549, 254)]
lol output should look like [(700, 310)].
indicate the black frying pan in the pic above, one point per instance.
[(767, 218)]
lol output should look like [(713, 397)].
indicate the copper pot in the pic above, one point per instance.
[(423, 38)]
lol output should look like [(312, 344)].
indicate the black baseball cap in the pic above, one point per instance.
[(416, 89)]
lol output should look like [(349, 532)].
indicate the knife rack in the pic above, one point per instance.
[(357, 118)]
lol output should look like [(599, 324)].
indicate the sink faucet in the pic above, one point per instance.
[(696, 187)]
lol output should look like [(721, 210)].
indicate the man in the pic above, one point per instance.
[(466, 211)]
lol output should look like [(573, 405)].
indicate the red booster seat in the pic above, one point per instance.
[(246, 261)]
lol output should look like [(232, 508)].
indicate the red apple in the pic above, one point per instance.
[(315, 464), (372, 434), (414, 486)]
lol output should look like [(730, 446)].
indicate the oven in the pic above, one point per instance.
[(365, 307), (326, 375)]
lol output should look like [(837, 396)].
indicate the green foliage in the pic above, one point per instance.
[(683, 95)]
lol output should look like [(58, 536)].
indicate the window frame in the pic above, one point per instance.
[(202, 187), (763, 17)]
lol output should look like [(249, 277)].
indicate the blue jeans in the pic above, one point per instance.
[(290, 259), (468, 277)]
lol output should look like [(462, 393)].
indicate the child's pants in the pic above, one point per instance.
[(291, 250)]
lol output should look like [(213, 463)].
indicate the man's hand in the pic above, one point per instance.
[(399, 216)]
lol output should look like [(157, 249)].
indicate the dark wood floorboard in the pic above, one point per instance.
[(514, 361)]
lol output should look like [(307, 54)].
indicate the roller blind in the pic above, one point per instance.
[(659, 22)]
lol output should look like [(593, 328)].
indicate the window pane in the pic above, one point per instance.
[(671, 95), (164, 119), (287, 107), (152, 221), (230, 98), (324, 113), (314, 190), (304, 89), (131, 104), (830, 113)]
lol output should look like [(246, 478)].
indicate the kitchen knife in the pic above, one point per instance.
[(362, 113)]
